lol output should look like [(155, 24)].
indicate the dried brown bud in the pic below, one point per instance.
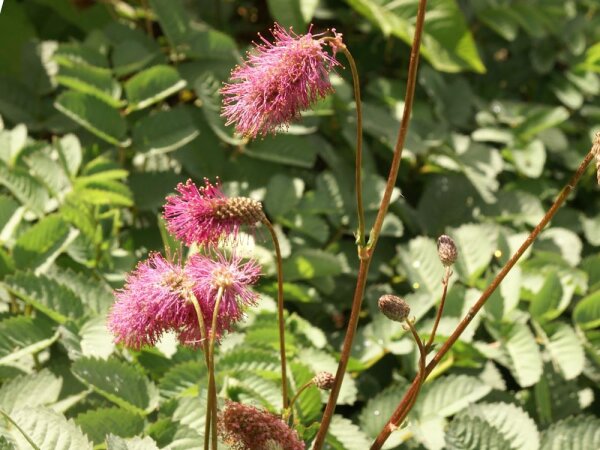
[(243, 210), (447, 250), (394, 307), (324, 380)]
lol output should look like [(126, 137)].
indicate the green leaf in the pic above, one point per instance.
[(183, 380), (36, 389), (449, 395), (295, 13), (98, 423), (96, 340), (283, 194), (555, 397), (544, 305), (94, 115), (344, 435), (587, 311), (94, 292), (164, 131), (447, 43), (90, 80), (524, 353), (529, 159), (116, 443), (566, 351), (41, 244), (513, 423), (539, 119), (308, 263), (48, 430), (173, 20), (476, 245), (119, 382), (20, 336), (421, 263), (579, 432), (308, 405), (473, 433), (152, 85), (26, 188), (46, 295), (284, 149), (375, 414)]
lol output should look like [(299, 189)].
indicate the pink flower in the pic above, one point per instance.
[(151, 302), (247, 428), (205, 214), (278, 81), (228, 274)]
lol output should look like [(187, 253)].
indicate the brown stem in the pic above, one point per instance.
[(365, 258), (212, 391), (405, 404), (280, 316), (438, 316)]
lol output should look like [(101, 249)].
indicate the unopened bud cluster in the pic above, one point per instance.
[(241, 209), (393, 307), (447, 250), (324, 380)]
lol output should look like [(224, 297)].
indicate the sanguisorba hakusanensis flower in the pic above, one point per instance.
[(245, 427), (277, 81), (157, 298), (204, 215)]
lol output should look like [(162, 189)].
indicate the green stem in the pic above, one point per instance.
[(212, 392), (406, 403), (27, 438), (192, 298), (366, 256), (438, 316), (280, 315), (289, 411)]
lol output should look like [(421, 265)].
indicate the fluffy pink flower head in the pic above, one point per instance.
[(278, 81), (233, 278), (244, 427), (152, 301), (204, 215)]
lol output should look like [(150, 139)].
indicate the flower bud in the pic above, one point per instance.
[(393, 307), (324, 380), (447, 250), (240, 209)]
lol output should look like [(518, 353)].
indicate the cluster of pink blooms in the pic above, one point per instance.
[(157, 294), (279, 80), (247, 428)]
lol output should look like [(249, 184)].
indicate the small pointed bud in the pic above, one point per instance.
[(324, 380), (393, 307), (447, 250), (243, 210)]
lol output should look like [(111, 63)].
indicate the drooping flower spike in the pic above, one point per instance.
[(277, 81), (205, 215), (244, 427)]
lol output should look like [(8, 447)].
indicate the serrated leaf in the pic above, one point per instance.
[(473, 433), (37, 247), (524, 353), (183, 380), (173, 20), (555, 397), (378, 410), (48, 430), (164, 131), (95, 293), (311, 263), (566, 351), (117, 443), (191, 411), (90, 80), (344, 435), (283, 194), (449, 395), (152, 85), (513, 423), (94, 115), (544, 305), (120, 383), (421, 263), (96, 340), (36, 389), (587, 311), (308, 405), (98, 423), (46, 295), (284, 149), (20, 336), (574, 433), (28, 190), (476, 245)]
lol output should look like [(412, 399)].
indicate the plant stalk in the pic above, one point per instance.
[(280, 316), (438, 316), (406, 403), (365, 259), (212, 388), (290, 409)]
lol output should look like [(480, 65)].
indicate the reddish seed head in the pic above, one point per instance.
[(244, 427), (277, 81)]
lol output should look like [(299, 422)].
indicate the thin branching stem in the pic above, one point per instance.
[(366, 256), (290, 409), (438, 316), (27, 438), (212, 388), (410, 396), (280, 312)]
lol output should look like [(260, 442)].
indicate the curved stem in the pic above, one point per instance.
[(192, 298), (290, 409), (405, 404), (280, 316), (438, 316), (212, 390), (365, 259), (27, 438)]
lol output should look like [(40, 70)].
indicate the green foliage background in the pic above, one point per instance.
[(106, 106)]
